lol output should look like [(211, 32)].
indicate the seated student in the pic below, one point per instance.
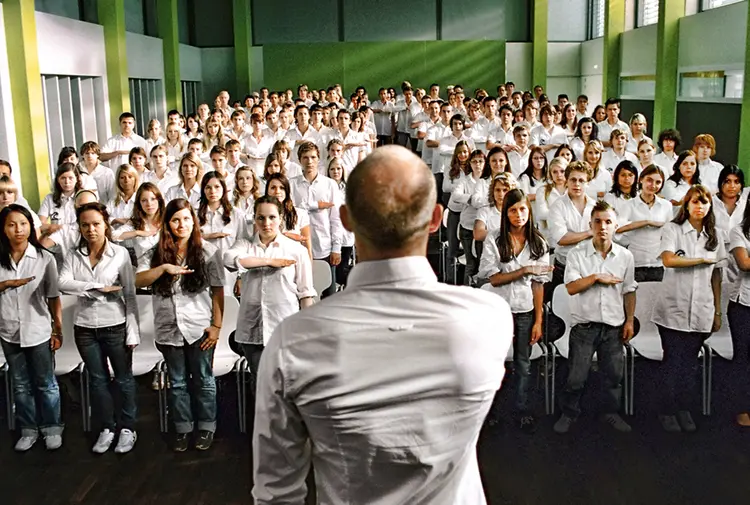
[(547, 135), (187, 279), (549, 192), (57, 207), (729, 207), (337, 173), (738, 312), (618, 141), (637, 133), (161, 174), (688, 308), (569, 219), (515, 259), (586, 131), (534, 174), (190, 173), (142, 231), (67, 236), (117, 148), (624, 189), (497, 161), (9, 195), (218, 164), (258, 144), (488, 218), (459, 200), (685, 174), (295, 220), (175, 143), (221, 223), (247, 189), (275, 277), (668, 142), (121, 208), (704, 148), (106, 330), (646, 214), (284, 152), (194, 129), (518, 158), (645, 154), (30, 328), (214, 135), (153, 135), (599, 279), (234, 156), (102, 176), (69, 155), (611, 122)]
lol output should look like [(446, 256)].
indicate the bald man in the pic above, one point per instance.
[(384, 386)]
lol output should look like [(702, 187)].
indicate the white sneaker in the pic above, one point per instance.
[(53, 442), (126, 441), (105, 439), (26, 442)]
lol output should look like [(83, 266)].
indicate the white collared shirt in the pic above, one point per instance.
[(518, 162), (601, 183), (610, 160), (710, 171), (383, 119), (687, 300), (490, 216), (257, 151), (632, 145), (518, 293), (740, 290), (724, 221), (497, 135), (269, 295), (442, 155), (675, 191), (178, 191), (666, 163), (104, 179), (121, 143), (24, 315), (435, 132), (564, 217), (215, 224), (168, 180), (139, 244), (121, 210), (577, 146), (480, 131), (480, 197), (391, 380), (65, 213), (94, 308), (184, 316), (541, 136), (605, 129), (600, 303), (543, 203), (350, 156), (459, 200), (325, 224), (294, 135)]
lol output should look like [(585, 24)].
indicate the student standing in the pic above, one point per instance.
[(102, 176), (117, 149), (684, 175), (669, 142), (612, 122), (599, 279), (459, 200), (100, 274), (497, 161), (160, 174), (187, 279), (337, 173), (549, 192), (618, 141), (624, 188), (190, 174), (704, 148), (57, 207), (688, 308), (295, 220), (738, 313), (142, 231)]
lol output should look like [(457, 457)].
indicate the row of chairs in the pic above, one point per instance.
[(147, 358)]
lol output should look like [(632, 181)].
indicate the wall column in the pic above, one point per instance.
[(614, 25), (243, 45), (743, 160), (540, 12), (28, 102), (667, 49), (169, 31), (112, 18)]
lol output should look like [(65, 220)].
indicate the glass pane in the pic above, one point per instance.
[(702, 85), (638, 87), (712, 4)]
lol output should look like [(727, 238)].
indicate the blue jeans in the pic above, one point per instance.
[(585, 340), (739, 325), (680, 365), (189, 361), (96, 346), (472, 264), (522, 323), (32, 370)]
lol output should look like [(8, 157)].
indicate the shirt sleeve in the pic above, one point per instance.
[(303, 277), (69, 284), (215, 269), (144, 261), (542, 208), (51, 288), (489, 264), (573, 267), (556, 222), (45, 209), (542, 279), (668, 238), (628, 282), (281, 449), (736, 238), (234, 254), (127, 281), (337, 229)]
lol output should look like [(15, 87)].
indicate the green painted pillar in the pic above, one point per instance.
[(667, 49), (112, 19), (169, 31), (28, 101), (743, 160), (539, 43), (614, 25), (243, 45)]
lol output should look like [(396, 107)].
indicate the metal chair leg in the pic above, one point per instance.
[(10, 405), (707, 374), (241, 398), (83, 378), (625, 382), (161, 395), (553, 351), (631, 376)]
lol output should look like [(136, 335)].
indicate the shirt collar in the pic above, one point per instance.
[(274, 243), (408, 268), (687, 228), (590, 251)]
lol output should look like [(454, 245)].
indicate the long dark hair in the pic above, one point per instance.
[(594, 128), (709, 222), (290, 213), (5, 260), (630, 167), (226, 205), (677, 175), (534, 239), (83, 244), (745, 219), (478, 153), (62, 169), (455, 168), (529, 172), (726, 172), (139, 217), (166, 252)]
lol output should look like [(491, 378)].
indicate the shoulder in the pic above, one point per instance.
[(46, 256), (209, 250), (622, 251)]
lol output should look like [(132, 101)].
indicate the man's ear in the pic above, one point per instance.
[(437, 218), (345, 219)]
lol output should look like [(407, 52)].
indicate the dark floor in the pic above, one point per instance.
[(591, 465)]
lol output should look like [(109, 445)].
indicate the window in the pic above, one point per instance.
[(190, 97), (596, 18), (648, 12), (146, 103), (712, 4), (74, 112), (715, 85), (638, 86)]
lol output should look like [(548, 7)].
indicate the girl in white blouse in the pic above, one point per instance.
[(213, 136), (549, 192), (535, 173), (142, 231), (459, 199), (190, 173), (498, 163), (220, 222), (516, 262), (459, 167), (688, 308), (337, 172), (247, 189), (601, 178), (624, 187), (174, 143), (488, 218), (738, 312), (121, 208), (57, 207), (685, 174), (275, 276), (30, 328), (100, 273), (586, 131), (295, 220), (729, 207), (194, 129)]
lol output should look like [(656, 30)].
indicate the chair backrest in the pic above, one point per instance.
[(224, 357), (146, 355), (721, 341), (648, 342), (561, 308), (445, 217), (321, 276), (67, 357)]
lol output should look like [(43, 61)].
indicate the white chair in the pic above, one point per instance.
[(67, 358), (9, 404), (721, 341), (561, 308), (322, 278)]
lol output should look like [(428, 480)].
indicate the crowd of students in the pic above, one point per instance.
[(237, 201)]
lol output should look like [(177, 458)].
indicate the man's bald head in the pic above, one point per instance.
[(390, 198)]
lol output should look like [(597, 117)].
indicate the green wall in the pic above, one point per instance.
[(472, 63)]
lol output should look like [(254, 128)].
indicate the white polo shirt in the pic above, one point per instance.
[(564, 217), (121, 143), (605, 129), (740, 292), (642, 242)]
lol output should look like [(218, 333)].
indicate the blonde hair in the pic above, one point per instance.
[(550, 184), (119, 195)]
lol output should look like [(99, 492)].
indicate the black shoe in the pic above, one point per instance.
[(205, 439), (181, 442), (528, 424)]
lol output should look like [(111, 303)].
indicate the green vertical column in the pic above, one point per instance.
[(614, 25), (112, 19), (169, 31), (539, 43), (503, 61), (28, 101), (667, 49), (744, 147), (243, 45)]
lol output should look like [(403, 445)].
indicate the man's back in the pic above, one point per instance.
[(391, 381)]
